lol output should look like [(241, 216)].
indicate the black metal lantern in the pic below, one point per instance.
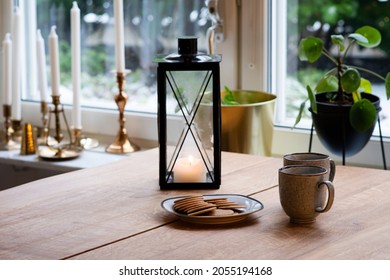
[(190, 83)]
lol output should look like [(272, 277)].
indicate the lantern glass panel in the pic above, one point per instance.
[(192, 158)]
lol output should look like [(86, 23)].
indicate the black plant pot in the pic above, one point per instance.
[(333, 127)]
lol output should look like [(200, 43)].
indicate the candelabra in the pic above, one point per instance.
[(58, 151), (122, 144), (8, 143)]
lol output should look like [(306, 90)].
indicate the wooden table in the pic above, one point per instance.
[(113, 212)]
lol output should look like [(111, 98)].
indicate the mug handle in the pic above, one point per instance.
[(332, 170), (329, 203)]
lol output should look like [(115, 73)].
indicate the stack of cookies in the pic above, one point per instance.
[(196, 205)]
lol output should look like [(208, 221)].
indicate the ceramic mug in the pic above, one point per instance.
[(314, 159), (304, 192)]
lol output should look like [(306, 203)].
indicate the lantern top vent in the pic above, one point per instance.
[(187, 53), (188, 46)]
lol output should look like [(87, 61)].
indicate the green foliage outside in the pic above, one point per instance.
[(149, 36)]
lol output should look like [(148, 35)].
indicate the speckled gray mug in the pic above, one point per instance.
[(304, 192), (312, 159)]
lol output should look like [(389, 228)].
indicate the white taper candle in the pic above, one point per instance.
[(76, 65), (7, 70), (54, 62), (119, 36), (41, 66), (16, 63)]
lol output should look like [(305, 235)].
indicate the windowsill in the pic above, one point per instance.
[(85, 160), (142, 130), (17, 169)]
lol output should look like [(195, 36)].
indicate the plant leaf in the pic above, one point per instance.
[(301, 108), (350, 80), (228, 90), (387, 83), (326, 84), (365, 86), (371, 34), (356, 96), (312, 99), (310, 49), (362, 115), (229, 99), (359, 38), (338, 40)]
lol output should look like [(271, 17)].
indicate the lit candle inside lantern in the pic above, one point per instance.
[(54, 62), (41, 60), (16, 63), (7, 70), (76, 65), (119, 34), (189, 169)]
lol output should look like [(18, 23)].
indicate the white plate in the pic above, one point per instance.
[(252, 206)]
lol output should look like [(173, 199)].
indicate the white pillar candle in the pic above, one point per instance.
[(16, 69), (76, 65), (119, 36), (189, 169), (41, 63), (7, 70), (54, 62)]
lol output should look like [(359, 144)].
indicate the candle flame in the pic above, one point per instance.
[(190, 160)]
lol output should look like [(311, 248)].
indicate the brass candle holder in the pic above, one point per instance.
[(76, 137), (58, 151), (16, 130), (81, 141), (29, 143), (8, 143), (44, 136), (122, 144)]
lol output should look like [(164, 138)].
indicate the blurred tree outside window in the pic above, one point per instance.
[(151, 27)]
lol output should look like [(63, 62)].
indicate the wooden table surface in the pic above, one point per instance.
[(114, 212)]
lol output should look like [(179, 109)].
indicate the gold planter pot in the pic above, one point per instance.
[(248, 127)]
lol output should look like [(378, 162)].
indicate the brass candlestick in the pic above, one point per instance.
[(76, 137), (58, 151), (8, 143), (44, 137), (79, 140), (122, 144), (16, 130)]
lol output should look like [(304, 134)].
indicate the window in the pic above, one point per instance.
[(150, 27), (259, 51), (268, 61), (321, 18)]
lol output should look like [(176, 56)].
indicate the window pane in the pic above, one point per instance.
[(321, 18), (151, 27)]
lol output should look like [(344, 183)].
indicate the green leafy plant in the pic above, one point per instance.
[(229, 98), (344, 82)]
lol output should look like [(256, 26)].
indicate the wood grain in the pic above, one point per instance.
[(357, 227), (114, 212), (68, 214)]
